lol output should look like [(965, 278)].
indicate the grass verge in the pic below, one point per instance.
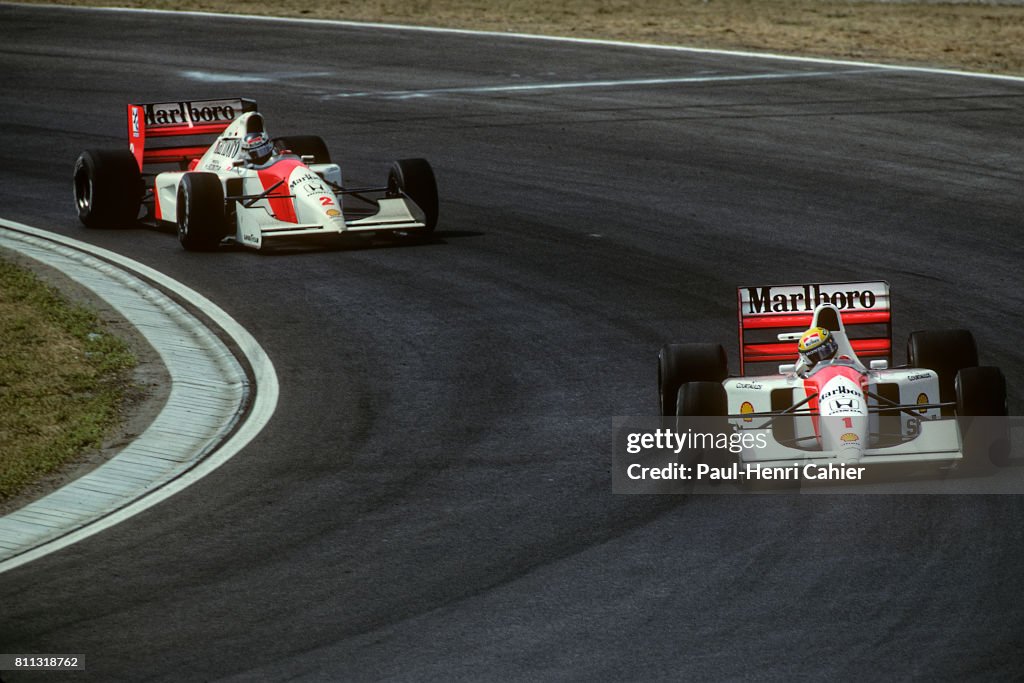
[(63, 378)]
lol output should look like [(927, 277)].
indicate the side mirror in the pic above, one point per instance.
[(879, 364)]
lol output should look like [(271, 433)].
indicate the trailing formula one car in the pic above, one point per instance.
[(836, 399), (242, 186)]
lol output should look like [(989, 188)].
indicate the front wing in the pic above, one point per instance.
[(256, 226), (937, 441)]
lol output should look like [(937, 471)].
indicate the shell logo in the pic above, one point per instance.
[(849, 436), (745, 409), (922, 399), (333, 213)]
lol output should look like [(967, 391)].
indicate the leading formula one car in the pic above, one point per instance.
[(243, 186), (835, 398)]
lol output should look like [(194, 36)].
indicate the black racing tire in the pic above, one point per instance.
[(682, 363), (305, 145), (946, 352), (980, 391), (108, 188), (200, 211), (702, 399), (415, 179), (708, 403), (982, 415)]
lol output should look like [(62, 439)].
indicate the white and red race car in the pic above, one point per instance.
[(852, 409), (220, 193)]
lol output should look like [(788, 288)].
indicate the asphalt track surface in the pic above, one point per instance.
[(432, 499)]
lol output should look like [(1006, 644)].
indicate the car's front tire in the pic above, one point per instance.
[(200, 211), (701, 407), (415, 179), (108, 188), (702, 399), (982, 415), (946, 352)]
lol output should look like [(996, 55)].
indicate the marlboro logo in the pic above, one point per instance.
[(805, 298), (192, 113), (840, 391)]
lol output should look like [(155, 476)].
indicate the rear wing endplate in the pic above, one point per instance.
[(184, 118), (765, 312)]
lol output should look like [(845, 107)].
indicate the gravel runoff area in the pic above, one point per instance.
[(973, 35)]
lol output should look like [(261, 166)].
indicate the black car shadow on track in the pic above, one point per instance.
[(362, 242), (346, 242)]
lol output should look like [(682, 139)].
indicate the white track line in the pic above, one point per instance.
[(574, 85), (200, 428)]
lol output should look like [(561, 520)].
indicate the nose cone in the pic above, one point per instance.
[(846, 435), (843, 425), (315, 201)]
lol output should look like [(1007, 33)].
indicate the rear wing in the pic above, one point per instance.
[(765, 312), (182, 119)]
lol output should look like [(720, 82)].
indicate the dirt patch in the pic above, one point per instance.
[(974, 36)]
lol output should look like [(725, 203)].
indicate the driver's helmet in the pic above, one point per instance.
[(816, 345), (258, 147)]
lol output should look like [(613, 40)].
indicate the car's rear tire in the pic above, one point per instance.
[(946, 352), (108, 188), (415, 179), (681, 363), (982, 415), (305, 145), (200, 216)]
